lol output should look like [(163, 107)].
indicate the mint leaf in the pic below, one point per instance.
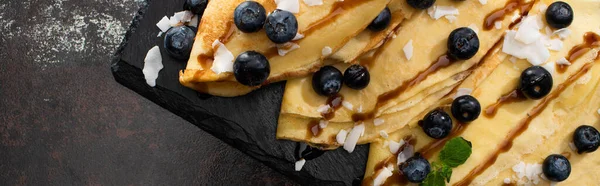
[(439, 174), (456, 152), (446, 172)]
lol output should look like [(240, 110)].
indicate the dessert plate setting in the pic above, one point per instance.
[(382, 92)]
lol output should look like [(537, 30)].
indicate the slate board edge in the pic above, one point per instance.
[(120, 67)]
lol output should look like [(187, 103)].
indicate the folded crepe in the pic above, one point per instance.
[(522, 132), (400, 88), (336, 25)]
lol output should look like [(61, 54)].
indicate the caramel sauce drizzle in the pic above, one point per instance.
[(500, 14), (522, 126), (397, 176), (590, 40), (333, 107), (513, 96)]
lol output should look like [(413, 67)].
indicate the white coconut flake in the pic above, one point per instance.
[(483, 2), (194, 22), (450, 18), (336, 102), (563, 61), (323, 109), (353, 137), (163, 24), (283, 49), (383, 175), (572, 145), (360, 109), (152, 65), (562, 33), (184, 16), (378, 121), (341, 136), (299, 164), (529, 31), (462, 91), (408, 49), (298, 37), (323, 124), (292, 6), (383, 134), (437, 12), (315, 130), (530, 171), (515, 17), (313, 2), (550, 67), (159, 34), (406, 153), (347, 105), (536, 53), (474, 27), (395, 146), (542, 7), (326, 51), (506, 180), (498, 25), (223, 59), (555, 44), (598, 111)]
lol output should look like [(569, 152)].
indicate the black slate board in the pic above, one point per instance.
[(247, 123)]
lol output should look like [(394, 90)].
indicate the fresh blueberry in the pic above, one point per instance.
[(179, 41), (437, 124), (357, 77), (466, 108), (559, 15), (381, 21), (195, 6), (249, 16), (251, 68), (463, 43), (421, 4), (415, 168), (327, 81), (556, 167), (281, 26), (586, 138), (536, 82)]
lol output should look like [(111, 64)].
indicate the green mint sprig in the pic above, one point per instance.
[(455, 153)]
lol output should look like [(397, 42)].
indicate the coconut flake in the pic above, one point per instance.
[(353, 137), (506, 180), (483, 2), (183, 16), (163, 24), (555, 44), (530, 171), (572, 145), (598, 111), (383, 175), (462, 91), (159, 34), (313, 2), (519, 169), (408, 49), (315, 130), (292, 6), (451, 18), (542, 7), (562, 33), (536, 53), (563, 61), (347, 105), (299, 164), (323, 123), (326, 51), (383, 134), (515, 17), (194, 22), (474, 27), (498, 25), (437, 12), (378, 121), (550, 67), (529, 31), (298, 37), (360, 109), (341, 136), (336, 102), (395, 146), (407, 152), (323, 109), (283, 49), (152, 65), (223, 59)]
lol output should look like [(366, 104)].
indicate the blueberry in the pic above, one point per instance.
[(437, 124), (327, 81), (357, 77), (381, 21), (536, 82), (179, 41), (586, 138), (195, 6), (463, 43), (556, 167), (281, 26), (249, 16), (559, 15), (421, 4), (415, 168), (251, 68), (466, 108)]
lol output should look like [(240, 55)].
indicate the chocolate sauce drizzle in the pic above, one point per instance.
[(500, 14), (590, 40), (513, 96)]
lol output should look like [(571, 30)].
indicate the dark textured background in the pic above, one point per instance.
[(65, 121)]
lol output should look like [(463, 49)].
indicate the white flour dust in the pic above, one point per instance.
[(58, 32)]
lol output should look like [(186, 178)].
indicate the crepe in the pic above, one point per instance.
[(332, 25), (391, 72), (573, 101)]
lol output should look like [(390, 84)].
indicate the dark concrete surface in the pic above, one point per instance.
[(65, 121)]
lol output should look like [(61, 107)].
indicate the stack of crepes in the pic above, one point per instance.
[(410, 76)]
